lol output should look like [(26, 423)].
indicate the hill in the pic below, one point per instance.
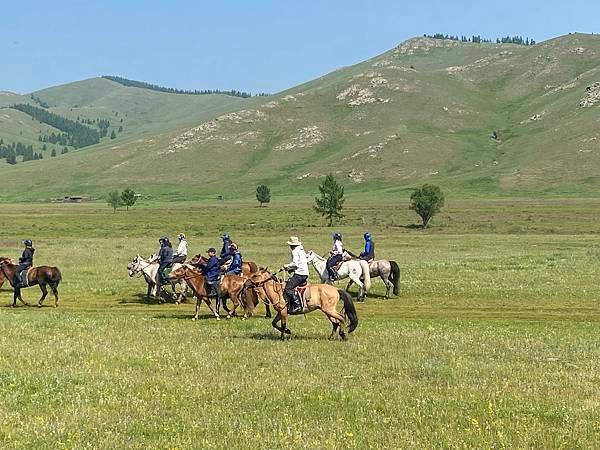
[(476, 118)]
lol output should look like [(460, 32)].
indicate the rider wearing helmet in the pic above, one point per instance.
[(337, 254), (299, 266), (182, 250), (235, 268), (226, 249), (369, 252), (25, 262), (212, 271), (165, 259)]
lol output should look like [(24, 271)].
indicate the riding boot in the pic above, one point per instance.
[(218, 305)]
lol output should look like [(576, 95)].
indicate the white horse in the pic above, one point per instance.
[(149, 269), (355, 269)]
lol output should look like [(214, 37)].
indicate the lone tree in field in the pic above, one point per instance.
[(114, 200), (128, 197), (331, 202), (263, 194), (427, 201)]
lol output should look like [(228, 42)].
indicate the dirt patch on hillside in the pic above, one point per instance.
[(357, 95), (305, 138), (591, 96)]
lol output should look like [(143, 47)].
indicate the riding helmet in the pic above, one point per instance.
[(337, 235), (163, 239), (181, 236), (225, 237), (367, 236), (28, 243)]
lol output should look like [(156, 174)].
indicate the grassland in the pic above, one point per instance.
[(493, 342)]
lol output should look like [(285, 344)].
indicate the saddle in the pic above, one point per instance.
[(23, 278), (302, 294)]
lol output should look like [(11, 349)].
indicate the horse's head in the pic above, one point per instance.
[(196, 260), (134, 266), (310, 255), (180, 272)]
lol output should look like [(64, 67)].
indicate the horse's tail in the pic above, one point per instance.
[(366, 273), (55, 276), (349, 310), (395, 276)]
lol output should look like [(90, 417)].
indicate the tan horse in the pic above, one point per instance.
[(232, 287), (42, 275), (322, 296), (4, 259)]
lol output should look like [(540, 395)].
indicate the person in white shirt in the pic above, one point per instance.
[(299, 266), (182, 250), (337, 254)]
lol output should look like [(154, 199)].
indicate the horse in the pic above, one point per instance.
[(8, 260), (149, 269), (355, 269), (320, 296), (388, 271), (41, 275), (248, 268), (232, 286)]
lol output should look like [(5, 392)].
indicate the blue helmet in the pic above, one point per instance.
[(225, 237), (367, 236), (28, 243), (337, 235), (163, 239)]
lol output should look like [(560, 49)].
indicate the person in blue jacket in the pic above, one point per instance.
[(235, 268), (212, 272), (226, 249), (25, 262), (165, 259), (369, 253)]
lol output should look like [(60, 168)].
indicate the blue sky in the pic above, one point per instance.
[(253, 45)]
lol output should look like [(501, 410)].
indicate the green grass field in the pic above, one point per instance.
[(493, 343)]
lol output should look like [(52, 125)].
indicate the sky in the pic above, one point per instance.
[(253, 45)]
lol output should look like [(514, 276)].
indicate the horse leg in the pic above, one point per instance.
[(349, 284), (236, 303), (267, 311), (337, 322), (388, 285), (21, 298), (275, 320), (148, 293), (361, 287), (55, 292), (15, 297), (197, 308), (44, 294)]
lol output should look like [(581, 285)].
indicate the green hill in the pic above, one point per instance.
[(425, 111)]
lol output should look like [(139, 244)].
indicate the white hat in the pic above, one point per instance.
[(294, 241)]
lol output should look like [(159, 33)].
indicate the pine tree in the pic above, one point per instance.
[(263, 194), (113, 135), (331, 202), (53, 154)]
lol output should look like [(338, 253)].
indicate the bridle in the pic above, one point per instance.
[(276, 282)]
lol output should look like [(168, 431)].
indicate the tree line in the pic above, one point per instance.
[(155, 87), (479, 40), (78, 135), (10, 152)]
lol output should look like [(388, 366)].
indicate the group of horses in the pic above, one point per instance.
[(257, 284)]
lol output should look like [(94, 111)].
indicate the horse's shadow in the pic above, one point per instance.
[(185, 316), (139, 298)]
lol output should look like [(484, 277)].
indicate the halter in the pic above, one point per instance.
[(276, 283)]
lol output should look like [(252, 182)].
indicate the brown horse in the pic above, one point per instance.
[(248, 269), (232, 287), (43, 276), (321, 296), (7, 260)]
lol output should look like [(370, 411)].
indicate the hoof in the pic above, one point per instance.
[(194, 318), (228, 316), (288, 331)]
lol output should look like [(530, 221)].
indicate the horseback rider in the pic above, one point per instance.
[(337, 254), (226, 249), (182, 250), (299, 266), (235, 268), (25, 262), (165, 259), (212, 272), (369, 252)]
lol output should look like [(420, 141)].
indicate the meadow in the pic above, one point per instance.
[(494, 341)]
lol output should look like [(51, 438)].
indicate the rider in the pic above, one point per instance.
[(226, 249), (25, 262), (181, 254), (337, 254), (299, 266), (212, 271), (369, 252), (235, 268), (165, 258)]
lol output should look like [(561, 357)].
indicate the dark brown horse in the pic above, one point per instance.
[(249, 268), (43, 276), (232, 287)]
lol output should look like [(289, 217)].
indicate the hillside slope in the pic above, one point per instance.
[(425, 111)]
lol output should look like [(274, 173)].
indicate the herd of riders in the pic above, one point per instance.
[(231, 258)]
